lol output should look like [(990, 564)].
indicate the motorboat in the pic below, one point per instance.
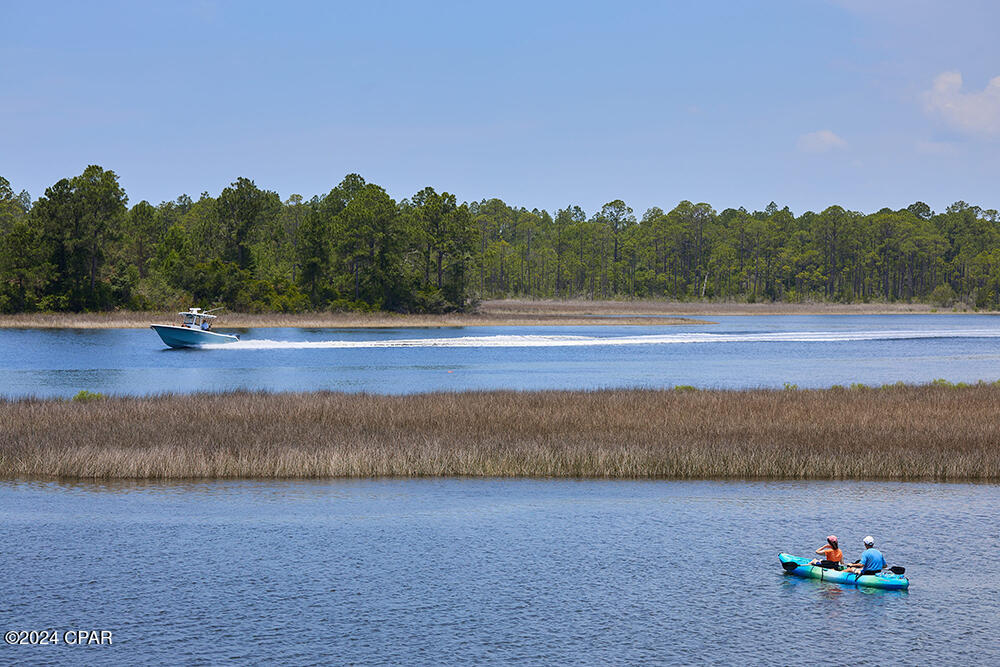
[(195, 329)]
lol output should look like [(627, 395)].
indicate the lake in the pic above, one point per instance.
[(737, 352), (494, 571), (448, 571)]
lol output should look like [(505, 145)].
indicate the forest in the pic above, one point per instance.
[(82, 247)]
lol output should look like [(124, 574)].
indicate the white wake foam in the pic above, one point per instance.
[(590, 341)]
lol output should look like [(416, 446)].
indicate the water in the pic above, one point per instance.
[(498, 571), (494, 571), (737, 352)]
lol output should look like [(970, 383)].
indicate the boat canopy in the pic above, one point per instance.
[(195, 317), (198, 312)]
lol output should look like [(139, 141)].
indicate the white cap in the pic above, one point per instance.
[(869, 540)]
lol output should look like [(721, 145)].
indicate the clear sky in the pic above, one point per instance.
[(543, 104)]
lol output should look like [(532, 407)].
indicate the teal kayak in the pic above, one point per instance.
[(886, 580)]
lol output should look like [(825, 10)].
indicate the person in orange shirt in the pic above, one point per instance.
[(831, 553)]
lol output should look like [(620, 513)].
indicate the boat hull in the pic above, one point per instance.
[(885, 580), (176, 336)]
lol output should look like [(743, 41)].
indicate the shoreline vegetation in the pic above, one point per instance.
[(509, 312), (939, 432), (345, 320), (83, 246)]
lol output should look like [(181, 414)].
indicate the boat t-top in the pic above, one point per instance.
[(195, 329)]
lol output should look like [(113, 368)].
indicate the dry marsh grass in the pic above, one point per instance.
[(506, 317), (897, 433), (643, 307), (507, 312)]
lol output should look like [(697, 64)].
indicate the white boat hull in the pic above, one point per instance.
[(176, 336)]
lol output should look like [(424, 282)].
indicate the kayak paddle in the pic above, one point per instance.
[(790, 566), (895, 569)]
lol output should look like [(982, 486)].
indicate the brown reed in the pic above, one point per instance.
[(141, 320), (503, 312), (652, 307), (894, 433)]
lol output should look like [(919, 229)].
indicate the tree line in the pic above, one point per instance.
[(81, 246)]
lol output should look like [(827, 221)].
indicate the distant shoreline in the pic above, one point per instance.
[(937, 432), (717, 308), (141, 320), (512, 312)]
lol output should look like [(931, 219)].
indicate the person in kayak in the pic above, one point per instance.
[(831, 553), (871, 562)]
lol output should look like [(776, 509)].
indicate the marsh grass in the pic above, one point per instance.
[(649, 307), (892, 433), (507, 312), (141, 320)]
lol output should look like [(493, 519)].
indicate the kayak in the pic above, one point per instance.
[(886, 580)]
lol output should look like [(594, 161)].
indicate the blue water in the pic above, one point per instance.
[(498, 571), (494, 572), (737, 352)]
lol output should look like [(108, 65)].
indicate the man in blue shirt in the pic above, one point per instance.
[(871, 562)]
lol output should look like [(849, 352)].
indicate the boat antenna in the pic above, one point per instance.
[(213, 310)]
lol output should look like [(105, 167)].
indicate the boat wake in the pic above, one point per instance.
[(591, 341)]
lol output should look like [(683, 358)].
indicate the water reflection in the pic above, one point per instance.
[(826, 591)]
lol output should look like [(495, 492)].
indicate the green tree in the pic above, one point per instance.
[(243, 208), (23, 268), (141, 232), (370, 243), (313, 251), (446, 237), (565, 221), (78, 218), (619, 218)]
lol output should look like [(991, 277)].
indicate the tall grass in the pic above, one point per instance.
[(504, 317), (896, 433), (509, 312), (648, 307)]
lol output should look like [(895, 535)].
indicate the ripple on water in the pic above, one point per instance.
[(444, 571)]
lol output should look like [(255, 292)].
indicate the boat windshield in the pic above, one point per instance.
[(197, 321)]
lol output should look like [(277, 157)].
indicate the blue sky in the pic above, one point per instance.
[(543, 104)]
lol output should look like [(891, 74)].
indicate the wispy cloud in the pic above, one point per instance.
[(938, 148), (820, 141), (971, 112)]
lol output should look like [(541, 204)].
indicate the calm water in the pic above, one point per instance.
[(810, 351), (498, 571), (495, 571)]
